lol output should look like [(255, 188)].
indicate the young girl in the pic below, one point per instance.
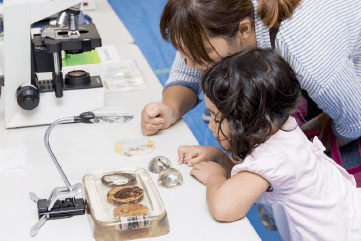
[(250, 96)]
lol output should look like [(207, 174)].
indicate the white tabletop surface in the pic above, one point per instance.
[(82, 148), (108, 24)]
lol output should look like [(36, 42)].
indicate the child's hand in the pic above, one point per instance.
[(208, 171), (195, 154)]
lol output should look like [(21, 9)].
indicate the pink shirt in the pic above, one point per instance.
[(312, 197)]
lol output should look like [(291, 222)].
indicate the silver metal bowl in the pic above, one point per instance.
[(159, 163), (170, 178)]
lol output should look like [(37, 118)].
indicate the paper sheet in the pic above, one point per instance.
[(13, 159)]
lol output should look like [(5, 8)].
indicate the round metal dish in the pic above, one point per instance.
[(159, 163), (170, 178)]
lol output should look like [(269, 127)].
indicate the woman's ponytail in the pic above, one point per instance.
[(272, 12)]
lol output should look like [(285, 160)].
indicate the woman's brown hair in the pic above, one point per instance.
[(187, 23), (274, 11)]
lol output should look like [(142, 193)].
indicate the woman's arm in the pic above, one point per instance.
[(182, 88), (180, 96), (181, 99), (319, 123)]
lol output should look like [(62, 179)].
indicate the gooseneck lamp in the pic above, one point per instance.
[(62, 202)]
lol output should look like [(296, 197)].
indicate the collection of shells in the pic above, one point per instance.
[(125, 195)]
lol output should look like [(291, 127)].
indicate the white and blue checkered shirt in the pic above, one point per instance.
[(322, 42)]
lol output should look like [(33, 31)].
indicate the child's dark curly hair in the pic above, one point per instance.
[(252, 89)]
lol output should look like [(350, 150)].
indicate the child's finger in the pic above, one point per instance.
[(181, 153), (194, 161), (196, 167), (195, 173), (189, 156)]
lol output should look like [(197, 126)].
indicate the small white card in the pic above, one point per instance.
[(13, 159), (108, 54)]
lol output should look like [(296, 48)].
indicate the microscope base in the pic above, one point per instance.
[(50, 108)]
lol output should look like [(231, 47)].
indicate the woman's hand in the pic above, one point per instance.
[(196, 154), (209, 172), (157, 116), (319, 123)]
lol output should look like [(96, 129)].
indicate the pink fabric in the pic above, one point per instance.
[(335, 152), (300, 112), (313, 198)]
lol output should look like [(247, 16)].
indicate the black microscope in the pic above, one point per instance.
[(46, 55)]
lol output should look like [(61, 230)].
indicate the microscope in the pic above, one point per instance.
[(28, 100)]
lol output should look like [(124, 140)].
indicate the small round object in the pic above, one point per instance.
[(117, 179), (170, 178), (77, 77), (159, 163), (133, 209), (86, 117), (134, 146), (125, 194), (28, 97)]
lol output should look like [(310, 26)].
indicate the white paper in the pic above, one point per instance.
[(13, 159), (108, 54)]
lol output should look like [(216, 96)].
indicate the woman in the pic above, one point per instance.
[(320, 39)]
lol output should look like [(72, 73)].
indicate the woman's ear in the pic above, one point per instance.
[(246, 36), (245, 29)]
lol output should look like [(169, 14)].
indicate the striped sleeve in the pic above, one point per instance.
[(341, 100), (181, 74), (322, 43)]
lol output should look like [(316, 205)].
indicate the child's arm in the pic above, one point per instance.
[(196, 154), (229, 199)]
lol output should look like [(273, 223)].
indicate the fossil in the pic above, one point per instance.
[(116, 179), (127, 210), (125, 194)]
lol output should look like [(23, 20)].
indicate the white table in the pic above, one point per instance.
[(82, 148), (110, 27)]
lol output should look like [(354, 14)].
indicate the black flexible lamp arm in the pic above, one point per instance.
[(85, 117)]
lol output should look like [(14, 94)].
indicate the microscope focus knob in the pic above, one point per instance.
[(28, 97)]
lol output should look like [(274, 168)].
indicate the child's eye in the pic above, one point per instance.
[(214, 119)]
